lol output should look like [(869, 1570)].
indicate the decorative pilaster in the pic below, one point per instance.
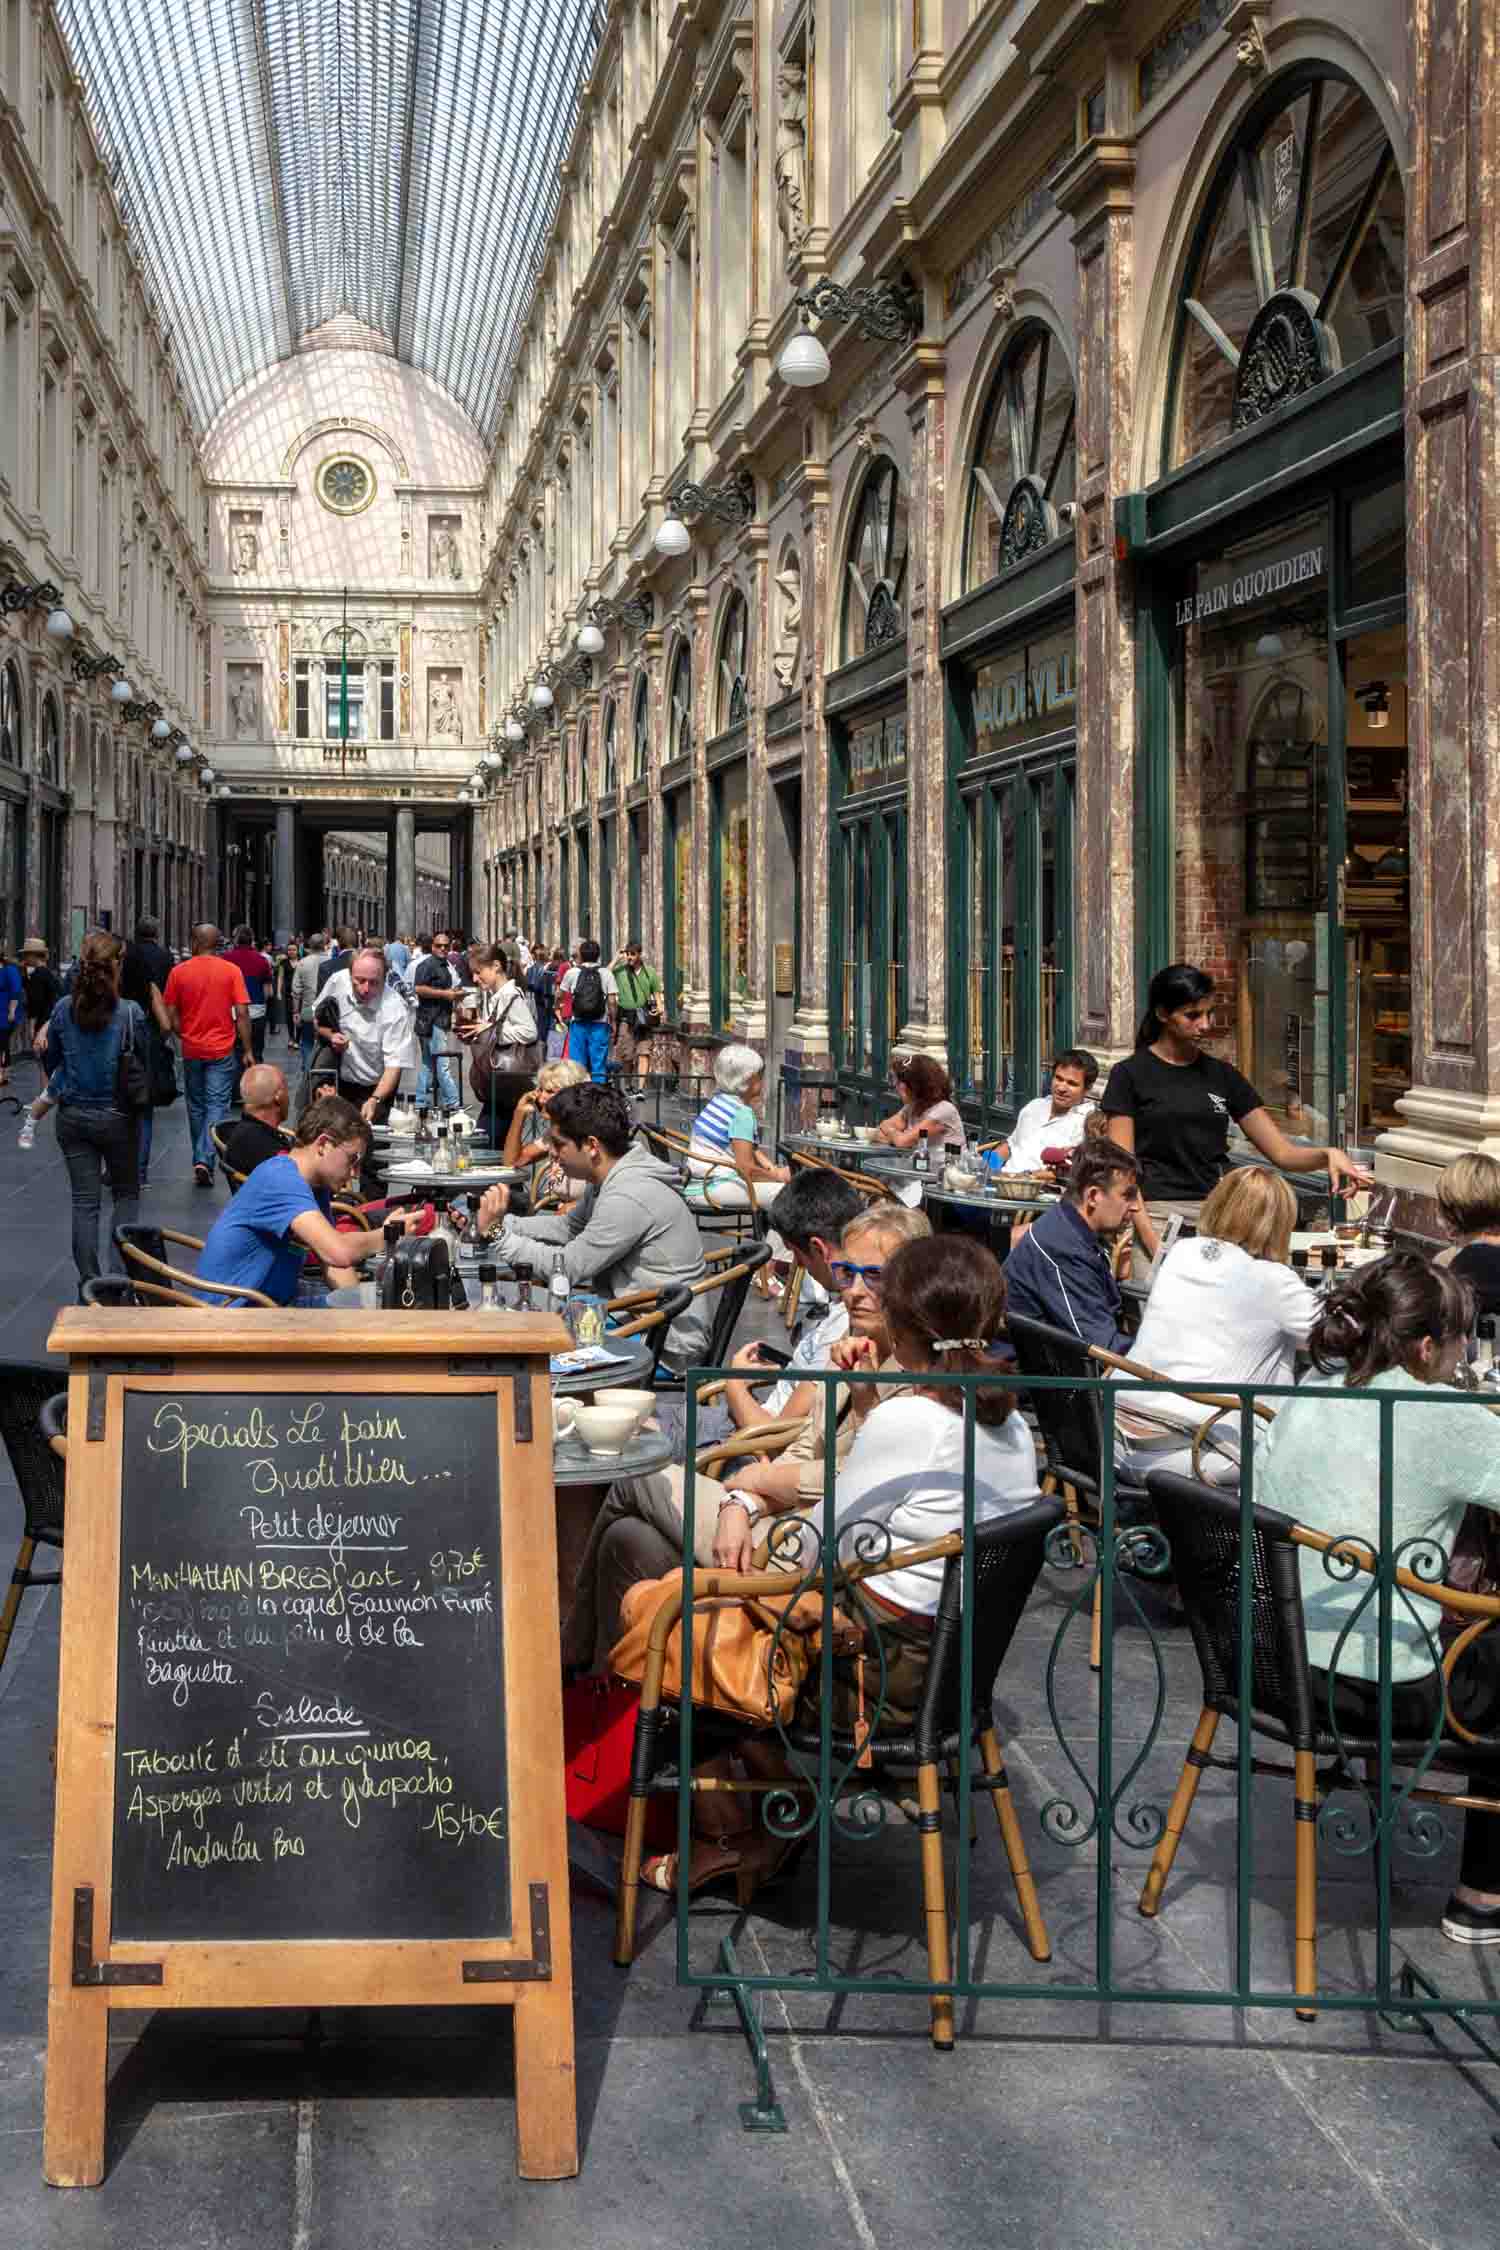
[(1097, 190), (1453, 590), (809, 1041), (754, 1016), (924, 381), (697, 1010)]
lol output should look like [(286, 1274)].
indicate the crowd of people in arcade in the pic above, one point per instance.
[(1161, 1241)]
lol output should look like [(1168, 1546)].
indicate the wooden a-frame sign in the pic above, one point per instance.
[(310, 1717)]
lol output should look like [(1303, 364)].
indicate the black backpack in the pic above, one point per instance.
[(588, 996)]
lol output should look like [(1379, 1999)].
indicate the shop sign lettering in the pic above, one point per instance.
[(1018, 699), (1216, 596), (877, 753)]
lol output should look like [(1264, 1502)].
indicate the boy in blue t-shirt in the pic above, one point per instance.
[(284, 1209)]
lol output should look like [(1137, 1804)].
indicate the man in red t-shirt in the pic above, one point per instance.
[(209, 1005), (260, 983)]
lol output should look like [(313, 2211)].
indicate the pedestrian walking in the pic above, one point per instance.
[(209, 1009)]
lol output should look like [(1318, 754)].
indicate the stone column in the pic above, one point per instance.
[(698, 1001), (1453, 590), (808, 1041), (1097, 190), (756, 1014), (927, 926), (406, 867), (284, 904)]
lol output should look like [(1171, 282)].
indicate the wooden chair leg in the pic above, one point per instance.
[(1305, 1811), (8, 1615), (791, 1298), (1096, 1624), (1015, 1848), (935, 1901), (643, 1760), (1181, 1805)]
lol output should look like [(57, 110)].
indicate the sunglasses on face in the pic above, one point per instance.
[(845, 1275)]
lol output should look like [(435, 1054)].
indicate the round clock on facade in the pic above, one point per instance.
[(346, 484)]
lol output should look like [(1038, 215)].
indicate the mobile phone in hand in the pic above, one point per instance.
[(769, 1356)]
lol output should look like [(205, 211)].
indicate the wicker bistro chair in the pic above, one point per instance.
[(1202, 1524), (144, 1249), (26, 1388), (655, 1316), (733, 1281), (1008, 1555)]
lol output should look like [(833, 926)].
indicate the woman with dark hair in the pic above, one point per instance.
[(1173, 1103), (87, 1032), (928, 1111), (1398, 1327)]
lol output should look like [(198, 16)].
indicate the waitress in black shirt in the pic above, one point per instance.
[(1173, 1105)]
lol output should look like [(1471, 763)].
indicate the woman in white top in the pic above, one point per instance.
[(503, 1001), (1225, 1307)]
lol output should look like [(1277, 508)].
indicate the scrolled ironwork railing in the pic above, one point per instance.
[(1098, 1752)]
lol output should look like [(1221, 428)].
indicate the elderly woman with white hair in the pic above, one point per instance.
[(725, 1159)]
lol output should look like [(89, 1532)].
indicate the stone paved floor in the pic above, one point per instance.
[(1054, 2120)]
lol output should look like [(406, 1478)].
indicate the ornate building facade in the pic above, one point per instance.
[(103, 515), (1125, 606)]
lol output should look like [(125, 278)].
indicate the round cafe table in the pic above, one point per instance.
[(1000, 1211), (874, 1157), (581, 1480)]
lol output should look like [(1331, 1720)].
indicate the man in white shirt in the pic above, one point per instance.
[(369, 1028), (1055, 1120)]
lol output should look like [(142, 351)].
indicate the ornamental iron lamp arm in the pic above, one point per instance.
[(96, 667), (16, 595), (732, 500), (885, 311)]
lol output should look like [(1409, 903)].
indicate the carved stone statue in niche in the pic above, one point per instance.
[(444, 560), (788, 650), (791, 155), (244, 704), (442, 706), (244, 545)]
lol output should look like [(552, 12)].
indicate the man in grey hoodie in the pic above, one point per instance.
[(630, 1230)]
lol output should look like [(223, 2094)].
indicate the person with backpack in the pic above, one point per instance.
[(541, 988), (595, 1012)]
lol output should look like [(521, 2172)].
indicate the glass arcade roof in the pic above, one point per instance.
[(285, 162)]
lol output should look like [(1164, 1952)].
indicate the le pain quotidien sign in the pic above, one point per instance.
[(1225, 588), (310, 1740)]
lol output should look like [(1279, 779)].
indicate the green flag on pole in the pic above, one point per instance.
[(344, 688)]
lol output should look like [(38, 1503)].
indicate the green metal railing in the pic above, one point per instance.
[(1099, 1804)]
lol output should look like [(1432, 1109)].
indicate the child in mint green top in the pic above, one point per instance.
[(1399, 1328)]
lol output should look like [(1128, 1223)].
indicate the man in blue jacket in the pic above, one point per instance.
[(1059, 1271)]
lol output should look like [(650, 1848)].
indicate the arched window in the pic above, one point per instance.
[(681, 713), (734, 647), (875, 571), (1025, 464), (49, 748), (11, 731), (640, 731), (1299, 265), (610, 775)]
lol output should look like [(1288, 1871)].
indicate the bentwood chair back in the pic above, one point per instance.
[(25, 1388), (657, 1309), (144, 1249)]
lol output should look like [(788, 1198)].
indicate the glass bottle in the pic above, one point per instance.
[(489, 1290), (1299, 1264), (523, 1293), (560, 1291), (921, 1155)]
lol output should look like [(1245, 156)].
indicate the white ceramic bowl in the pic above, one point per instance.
[(865, 1133), (605, 1429), (642, 1404)]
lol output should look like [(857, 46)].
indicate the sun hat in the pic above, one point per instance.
[(35, 945)]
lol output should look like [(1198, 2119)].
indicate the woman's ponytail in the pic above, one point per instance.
[(1374, 1318), (96, 988)]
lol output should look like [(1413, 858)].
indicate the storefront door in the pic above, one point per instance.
[(1290, 809)]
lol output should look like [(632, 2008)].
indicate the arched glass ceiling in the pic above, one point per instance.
[(283, 162)]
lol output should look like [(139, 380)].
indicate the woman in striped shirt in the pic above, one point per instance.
[(725, 1153)]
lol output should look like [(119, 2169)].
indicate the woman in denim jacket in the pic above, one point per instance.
[(85, 1034)]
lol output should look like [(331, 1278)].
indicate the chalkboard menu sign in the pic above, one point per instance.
[(310, 1737)]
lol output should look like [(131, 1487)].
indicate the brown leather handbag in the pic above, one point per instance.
[(751, 1653)]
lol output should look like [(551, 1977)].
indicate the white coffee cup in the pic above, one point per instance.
[(564, 1418)]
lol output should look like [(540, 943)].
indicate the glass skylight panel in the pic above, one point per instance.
[(286, 161)]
